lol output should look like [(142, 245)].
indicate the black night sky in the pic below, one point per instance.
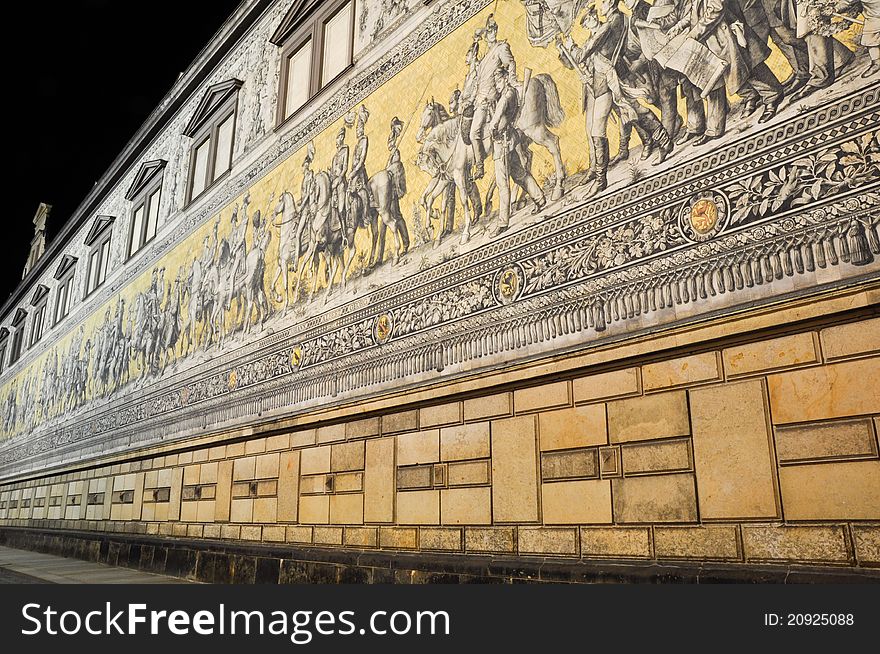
[(81, 78)]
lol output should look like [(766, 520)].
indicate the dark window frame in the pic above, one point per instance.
[(65, 285), (312, 30), (40, 306), (143, 201), (210, 131), (98, 241), (18, 324), (4, 347)]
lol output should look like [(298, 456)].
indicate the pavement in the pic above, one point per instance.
[(25, 567)]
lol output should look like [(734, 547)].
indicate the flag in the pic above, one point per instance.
[(547, 18)]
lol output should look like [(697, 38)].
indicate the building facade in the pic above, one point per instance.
[(408, 291)]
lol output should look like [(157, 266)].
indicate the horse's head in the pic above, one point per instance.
[(433, 115)]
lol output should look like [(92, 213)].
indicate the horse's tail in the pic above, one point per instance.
[(555, 113)]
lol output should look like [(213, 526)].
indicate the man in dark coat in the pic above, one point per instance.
[(720, 26)]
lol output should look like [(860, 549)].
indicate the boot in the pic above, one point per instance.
[(664, 143), (623, 150), (647, 141), (600, 147)]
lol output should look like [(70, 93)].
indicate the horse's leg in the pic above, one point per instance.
[(544, 137), (280, 273), (461, 186), (476, 201), (487, 206), (427, 202)]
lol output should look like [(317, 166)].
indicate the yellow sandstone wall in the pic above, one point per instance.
[(742, 450)]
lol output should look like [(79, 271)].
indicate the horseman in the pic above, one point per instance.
[(238, 237), (358, 180), (395, 165), (482, 94), (338, 171)]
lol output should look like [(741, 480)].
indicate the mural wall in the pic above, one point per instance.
[(514, 178)]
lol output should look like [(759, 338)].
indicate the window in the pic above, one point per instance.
[(145, 195), (38, 324), (64, 294), (4, 346), (212, 129), (315, 52), (17, 335), (98, 241)]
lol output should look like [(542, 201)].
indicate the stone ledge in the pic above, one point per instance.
[(219, 562)]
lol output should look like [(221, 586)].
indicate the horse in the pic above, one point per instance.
[(540, 110), (444, 153), (385, 205), (291, 245), (327, 237)]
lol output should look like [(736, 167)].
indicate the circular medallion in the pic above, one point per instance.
[(703, 216), (296, 356), (383, 328), (233, 380), (509, 284)]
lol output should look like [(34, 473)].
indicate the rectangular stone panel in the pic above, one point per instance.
[(405, 538), (347, 456), (775, 354), (347, 509), (346, 482), (266, 509), (468, 473), (244, 468), (379, 480), (733, 454), (315, 460), (546, 396), (288, 487), (439, 538), (360, 537), (544, 540), (694, 369), (659, 415), (489, 539), (709, 542), (414, 477), (616, 542), (418, 447), (866, 540), (577, 427), (852, 339), (316, 484), (840, 390), (823, 544), (466, 506), (609, 461), (656, 498), (514, 470), (489, 406), (267, 466), (394, 423), (576, 502), (570, 464), (331, 433), (439, 415), (314, 509), (362, 428), (831, 491), (842, 439), (418, 507), (656, 457), (461, 442), (606, 385)]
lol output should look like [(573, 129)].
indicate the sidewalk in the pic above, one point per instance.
[(24, 567)]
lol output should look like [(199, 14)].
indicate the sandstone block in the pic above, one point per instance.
[(490, 406), (418, 447), (694, 369), (732, 451), (831, 491), (842, 439), (576, 502), (656, 456), (466, 506), (852, 339), (824, 544), (379, 480), (578, 427), (546, 396), (418, 507), (623, 542), (514, 470), (548, 540), (468, 441), (658, 415), (657, 498), (606, 385), (775, 354), (434, 538), (710, 542), (440, 415), (489, 539)]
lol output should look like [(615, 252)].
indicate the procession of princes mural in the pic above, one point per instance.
[(651, 85)]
